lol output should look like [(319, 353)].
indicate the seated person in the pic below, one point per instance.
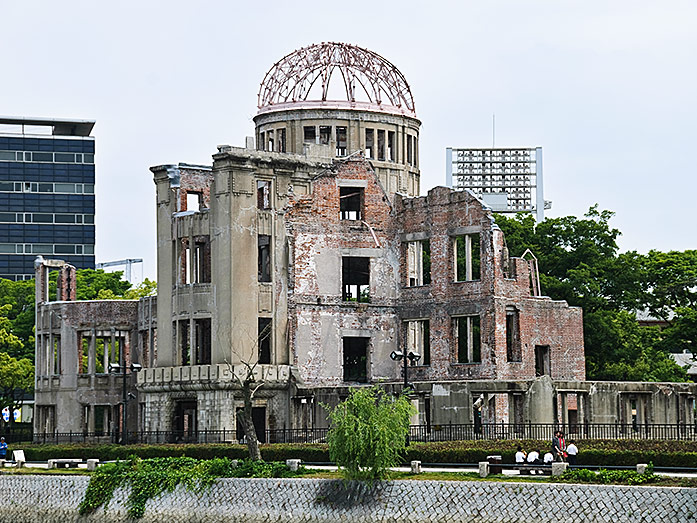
[(534, 458), (549, 458), (520, 455)]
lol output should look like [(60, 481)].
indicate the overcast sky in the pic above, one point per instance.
[(606, 88)]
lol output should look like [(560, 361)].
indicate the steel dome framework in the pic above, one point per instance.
[(292, 79)]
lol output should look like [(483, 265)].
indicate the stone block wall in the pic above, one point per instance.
[(55, 499)]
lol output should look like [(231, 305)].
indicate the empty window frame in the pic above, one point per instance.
[(281, 140), (181, 329), (261, 143), (390, 146), (264, 340), (381, 145), (309, 134), (203, 341), (356, 359), (418, 263), (263, 194), (193, 201), (468, 341), (351, 203), (410, 151), (264, 258), (325, 134), (184, 258), (107, 349), (355, 279), (341, 141), (513, 346), (467, 257), (419, 339), (269, 141), (542, 361), (202, 259), (369, 143)]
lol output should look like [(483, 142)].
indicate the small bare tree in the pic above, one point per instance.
[(249, 385)]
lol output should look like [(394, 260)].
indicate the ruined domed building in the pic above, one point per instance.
[(310, 258)]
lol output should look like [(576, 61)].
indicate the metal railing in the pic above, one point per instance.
[(417, 433)]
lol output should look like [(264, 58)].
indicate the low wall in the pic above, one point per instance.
[(55, 499)]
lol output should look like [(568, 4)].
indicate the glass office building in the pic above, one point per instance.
[(46, 193)]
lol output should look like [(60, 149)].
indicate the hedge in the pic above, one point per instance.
[(603, 452)]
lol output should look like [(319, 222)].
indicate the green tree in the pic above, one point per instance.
[(579, 262), (368, 432), (16, 379)]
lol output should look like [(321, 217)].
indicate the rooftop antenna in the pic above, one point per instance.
[(493, 131)]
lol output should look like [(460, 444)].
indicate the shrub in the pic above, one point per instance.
[(369, 433), (150, 477)]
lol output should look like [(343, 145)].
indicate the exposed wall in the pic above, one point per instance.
[(55, 499)]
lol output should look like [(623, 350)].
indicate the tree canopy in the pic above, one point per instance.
[(580, 262), (16, 380), (17, 304)]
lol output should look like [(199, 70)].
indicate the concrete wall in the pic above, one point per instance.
[(55, 499)]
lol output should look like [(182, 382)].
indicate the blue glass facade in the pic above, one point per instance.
[(46, 202)]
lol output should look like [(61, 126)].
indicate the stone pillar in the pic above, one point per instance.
[(416, 467), (483, 469), (559, 467)]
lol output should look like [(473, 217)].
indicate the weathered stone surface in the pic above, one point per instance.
[(56, 498)]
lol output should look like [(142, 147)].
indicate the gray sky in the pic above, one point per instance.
[(606, 88)]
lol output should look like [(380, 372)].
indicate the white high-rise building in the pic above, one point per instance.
[(507, 180)]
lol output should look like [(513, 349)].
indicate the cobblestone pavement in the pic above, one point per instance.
[(55, 499)]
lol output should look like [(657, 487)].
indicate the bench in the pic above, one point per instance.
[(64, 463), (527, 468)]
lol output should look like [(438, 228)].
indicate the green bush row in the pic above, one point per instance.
[(446, 452)]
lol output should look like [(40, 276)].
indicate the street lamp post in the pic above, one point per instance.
[(115, 368), (411, 357)]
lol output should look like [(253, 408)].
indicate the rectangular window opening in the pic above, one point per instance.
[(262, 142), (351, 203), (282, 140), (542, 360), (419, 340), (341, 141), (309, 134), (468, 338), (264, 340), (390, 146), (269, 141), (410, 156), (467, 257), (325, 134), (369, 143), (203, 341), (513, 347), (264, 258), (202, 259), (356, 359), (381, 145), (419, 263), (193, 201), (263, 194), (184, 345), (356, 279)]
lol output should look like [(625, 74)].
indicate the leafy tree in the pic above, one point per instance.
[(16, 379), (9, 342), (579, 262), (368, 433), (90, 282)]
